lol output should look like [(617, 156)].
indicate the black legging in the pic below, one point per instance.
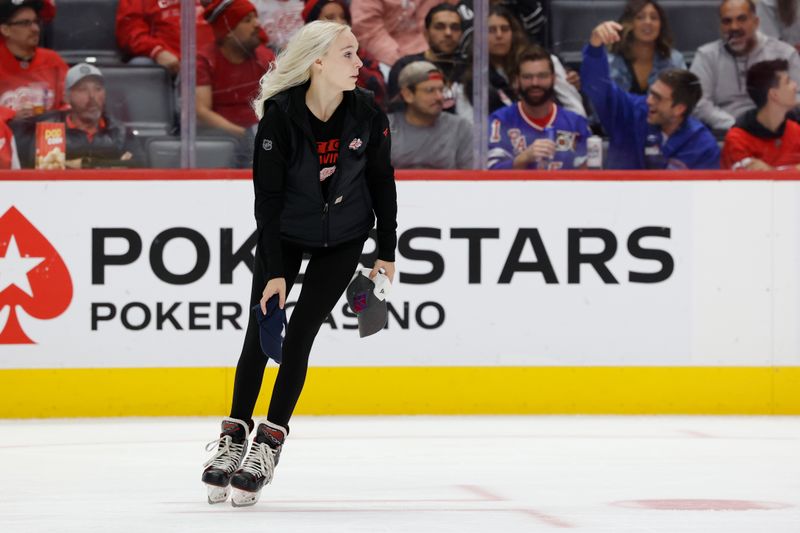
[(326, 277)]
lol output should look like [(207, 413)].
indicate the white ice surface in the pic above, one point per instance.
[(411, 474)]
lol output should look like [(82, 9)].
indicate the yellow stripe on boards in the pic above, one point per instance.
[(44, 393)]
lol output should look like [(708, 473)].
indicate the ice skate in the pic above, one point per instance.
[(259, 466), (230, 451)]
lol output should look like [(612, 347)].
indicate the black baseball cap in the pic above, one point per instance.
[(9, 7), (371, 310), (271, 329)]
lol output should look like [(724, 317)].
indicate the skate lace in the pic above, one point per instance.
[(227, 453), (260, 461)]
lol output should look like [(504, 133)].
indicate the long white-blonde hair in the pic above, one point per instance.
[(292, 67)]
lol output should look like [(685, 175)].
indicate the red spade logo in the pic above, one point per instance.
[(32, 276)]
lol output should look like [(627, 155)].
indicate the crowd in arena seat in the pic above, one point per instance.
[(653, 79)]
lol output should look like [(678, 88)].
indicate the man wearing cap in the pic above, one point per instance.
[(93, 140), (536, 133), (422, 135), (31, 78), (151, 29), (229, 71)]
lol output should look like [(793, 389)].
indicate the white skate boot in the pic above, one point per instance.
[(259, 466), (231, 448)]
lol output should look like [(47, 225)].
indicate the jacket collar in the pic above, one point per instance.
[(749, 123), (292, 101)]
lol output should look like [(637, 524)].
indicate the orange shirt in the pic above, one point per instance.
[(749, 140)]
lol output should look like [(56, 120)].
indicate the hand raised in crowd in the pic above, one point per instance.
[(169, 61), (274, 286), (605, 33), (574, 79)]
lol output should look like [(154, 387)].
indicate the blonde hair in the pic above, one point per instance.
[(292, 67)]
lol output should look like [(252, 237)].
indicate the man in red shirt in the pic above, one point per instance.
[(151, 29), (31, 78), (229, 71), (764, 138)]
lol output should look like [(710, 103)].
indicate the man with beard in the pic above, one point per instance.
[(653, 131), (228, 73), (722, 65), (443, 34), (422, 135), (536, 133), (93, 139)]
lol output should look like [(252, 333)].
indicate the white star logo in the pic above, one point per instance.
[(14, 269)]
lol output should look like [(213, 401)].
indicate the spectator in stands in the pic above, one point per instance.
[(506, 41), (779, 19), (94, 140), (228, 73), (644, 48), (391, 29), (31, 77), (722, 64), (149, 31), (647, 132), (763, 138), (280, 19), (369, 75), (9, 159), (532, 15), (422, 135), (443, 33), (537, 133)]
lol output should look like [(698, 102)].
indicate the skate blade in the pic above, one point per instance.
[(217, 494), (242, 498)]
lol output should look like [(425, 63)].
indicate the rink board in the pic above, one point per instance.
[(589, 293)]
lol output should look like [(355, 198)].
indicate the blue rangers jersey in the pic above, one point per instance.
[(511, 132)]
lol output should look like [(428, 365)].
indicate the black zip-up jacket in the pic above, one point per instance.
[(289, 203)]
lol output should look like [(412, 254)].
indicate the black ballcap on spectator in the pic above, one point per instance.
[(9, 7)]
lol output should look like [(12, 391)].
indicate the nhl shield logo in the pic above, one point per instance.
[(266, 144), (355, 144)]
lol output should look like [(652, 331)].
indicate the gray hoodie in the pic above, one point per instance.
[(723, 77)]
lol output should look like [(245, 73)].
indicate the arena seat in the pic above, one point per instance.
[(83, 30), (693, 24), (211, 152), (141, 97)]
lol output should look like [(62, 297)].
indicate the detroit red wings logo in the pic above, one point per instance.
[(33, 277)]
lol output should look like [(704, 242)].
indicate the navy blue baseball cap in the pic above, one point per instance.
[(271, 329), (371, 308)]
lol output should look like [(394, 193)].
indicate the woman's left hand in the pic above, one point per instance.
[(387, 267)]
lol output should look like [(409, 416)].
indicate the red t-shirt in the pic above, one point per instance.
[(146, 27), (39, 83), (776, 152), (233, 87)]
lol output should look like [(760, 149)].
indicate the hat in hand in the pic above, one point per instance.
[(271, 329), (367, 299)]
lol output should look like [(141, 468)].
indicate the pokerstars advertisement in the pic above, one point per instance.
[(157, 274)]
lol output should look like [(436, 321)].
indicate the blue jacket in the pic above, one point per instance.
[(634, 143), (623, 76)]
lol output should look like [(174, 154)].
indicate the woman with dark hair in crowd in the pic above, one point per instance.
[(779, 19), (644, 48), (506, 40), (369, 76)]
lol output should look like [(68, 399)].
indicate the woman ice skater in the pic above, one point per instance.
[(322, 175)]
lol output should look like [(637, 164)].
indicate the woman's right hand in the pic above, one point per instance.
[(605, 33), (274, 286)]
